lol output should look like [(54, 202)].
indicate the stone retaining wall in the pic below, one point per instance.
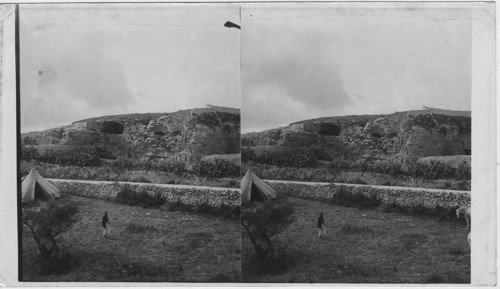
[(405, 197), (187, 195)]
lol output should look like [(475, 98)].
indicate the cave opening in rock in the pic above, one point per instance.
[(112, 127)]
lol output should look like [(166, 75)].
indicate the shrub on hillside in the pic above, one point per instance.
[(341, 164), (128, 196), (217, 168), (29, 153), (434, 170), (171, 166), (124, 162), (291, 157), (438, 170), (463, 172), (247, 154), (73, 155), (387, 167), (213, 119)]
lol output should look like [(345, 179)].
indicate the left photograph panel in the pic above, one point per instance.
[(129, 143)]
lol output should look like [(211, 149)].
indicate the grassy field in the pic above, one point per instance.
[(364, 246), (147, 245)]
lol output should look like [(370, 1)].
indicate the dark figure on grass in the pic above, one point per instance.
[(105, 225), (321, 225)]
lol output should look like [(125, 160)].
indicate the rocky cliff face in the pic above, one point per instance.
[(184, 135), (402, 137)]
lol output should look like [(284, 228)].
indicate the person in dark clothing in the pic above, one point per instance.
[(105, 225), (321, 225)]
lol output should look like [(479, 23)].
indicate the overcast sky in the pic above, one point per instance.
[(326, 60), (81, 61)]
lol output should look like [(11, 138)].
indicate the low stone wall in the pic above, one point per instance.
[(405, 197), (188, 195)]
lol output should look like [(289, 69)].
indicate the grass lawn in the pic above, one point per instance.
[(364, 246), (147, 245)]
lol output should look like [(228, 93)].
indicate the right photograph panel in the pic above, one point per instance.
[(356, 143)]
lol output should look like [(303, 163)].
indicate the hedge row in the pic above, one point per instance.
[(187, 195), (288, 156), (399, 199), (299, 158), (114, 174)]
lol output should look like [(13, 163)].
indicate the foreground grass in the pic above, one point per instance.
[(364, 246), (148, 245)]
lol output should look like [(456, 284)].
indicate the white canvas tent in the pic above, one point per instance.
[(253, 188), (35, 186)]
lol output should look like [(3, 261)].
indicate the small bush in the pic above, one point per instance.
[(340, 164), (464, 185), (232, 183), (128, 196), (438, 170), (179, 206), (346, 198), (29, 153), (247, 155), (73, 155), (359, 181), (170, 166), (289, 157), (124, 162), (216, 169)]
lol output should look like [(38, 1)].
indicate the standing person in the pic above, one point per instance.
[(321, 225), (105, 225)]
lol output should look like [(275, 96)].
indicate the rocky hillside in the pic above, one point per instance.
[(401, 136), (185, 135)]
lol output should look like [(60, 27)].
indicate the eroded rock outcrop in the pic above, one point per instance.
[(184, 135), (402, 137)]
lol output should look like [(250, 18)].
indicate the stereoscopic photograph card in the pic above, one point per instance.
[(343, 143)]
